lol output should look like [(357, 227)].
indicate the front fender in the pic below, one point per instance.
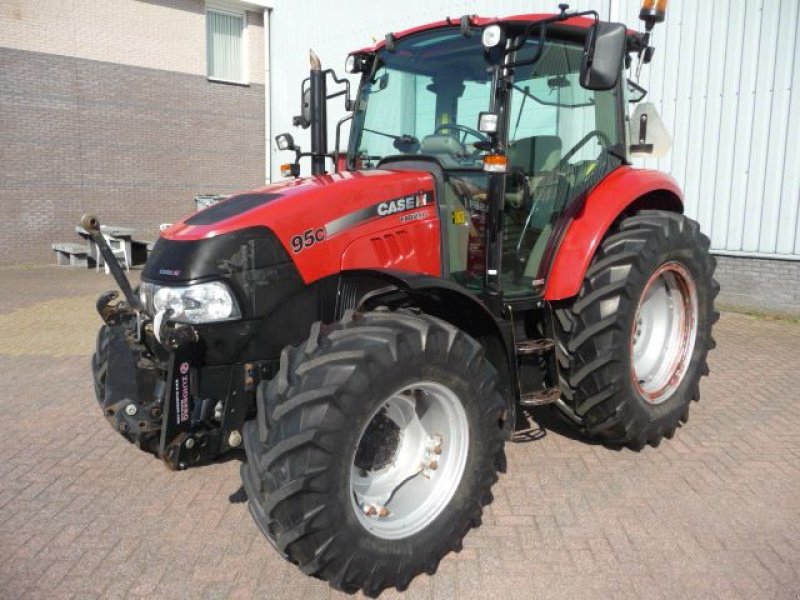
[(624, 188), (439, 297), (451, 302)]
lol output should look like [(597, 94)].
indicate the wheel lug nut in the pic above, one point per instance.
[(376, 510), (234, 439), (435, 443)]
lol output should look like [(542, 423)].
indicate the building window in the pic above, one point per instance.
[(225, 46)]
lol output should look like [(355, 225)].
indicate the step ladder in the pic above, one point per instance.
[(536, 348)]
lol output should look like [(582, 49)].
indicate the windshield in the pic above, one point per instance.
[(424, 98)]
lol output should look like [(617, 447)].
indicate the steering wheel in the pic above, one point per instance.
[(465, 131), (602, 138)]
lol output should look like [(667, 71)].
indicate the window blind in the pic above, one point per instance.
[(225, 52)]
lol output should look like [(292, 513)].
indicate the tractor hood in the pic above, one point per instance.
[(292, 206), (309, 222)]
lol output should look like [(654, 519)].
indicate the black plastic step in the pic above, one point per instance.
[(540, 397), (534, 347)]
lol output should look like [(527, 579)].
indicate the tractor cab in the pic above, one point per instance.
[(442, 96), (516, 119)]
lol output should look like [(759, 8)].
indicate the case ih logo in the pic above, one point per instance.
[(402, 204), (382, 209), (184, 368)]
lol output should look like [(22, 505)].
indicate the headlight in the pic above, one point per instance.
[(201, 303)]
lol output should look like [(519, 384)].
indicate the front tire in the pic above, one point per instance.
[(374, 449), (632, 345), (112, 354)]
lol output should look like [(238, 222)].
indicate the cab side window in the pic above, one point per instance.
[(560, 135)]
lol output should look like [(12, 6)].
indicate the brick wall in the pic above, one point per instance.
[(134, 145), (156, 34), (759, 284)]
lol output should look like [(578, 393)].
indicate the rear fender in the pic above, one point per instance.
[(623, 192)]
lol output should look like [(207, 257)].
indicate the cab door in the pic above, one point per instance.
[(563, 139)]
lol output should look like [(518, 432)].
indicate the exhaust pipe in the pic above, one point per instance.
[(319, 116)]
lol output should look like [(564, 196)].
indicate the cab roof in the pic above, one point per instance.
[(575, 25)]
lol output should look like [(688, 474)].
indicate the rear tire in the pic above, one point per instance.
[(632, 345), (309, 453)]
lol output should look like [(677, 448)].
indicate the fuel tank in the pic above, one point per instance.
[(325, 224)]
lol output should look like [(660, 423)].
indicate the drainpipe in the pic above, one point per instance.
[(267, 100), (613, 11)]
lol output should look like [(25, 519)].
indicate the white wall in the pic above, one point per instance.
[(726, 78)]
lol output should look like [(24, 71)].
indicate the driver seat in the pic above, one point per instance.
[(441, 144), (535, 154)]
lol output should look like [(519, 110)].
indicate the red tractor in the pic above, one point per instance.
[(373, 335)]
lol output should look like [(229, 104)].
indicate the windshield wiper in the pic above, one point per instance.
[(528, 94), (403, 136), (404, 143)]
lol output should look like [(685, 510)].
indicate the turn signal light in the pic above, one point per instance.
[(290, 170), (495, 163)]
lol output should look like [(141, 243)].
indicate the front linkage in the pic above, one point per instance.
[(148, 380)]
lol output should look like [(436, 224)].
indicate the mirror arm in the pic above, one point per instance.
[(639, 89), (348, 102), (542, 25), (539, 50)]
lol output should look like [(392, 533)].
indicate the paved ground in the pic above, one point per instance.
[(713, 513)]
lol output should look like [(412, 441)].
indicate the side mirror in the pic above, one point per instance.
[(603, 54), (305, 109), (303, 120)]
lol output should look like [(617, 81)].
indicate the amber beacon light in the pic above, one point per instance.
[(653, 11)]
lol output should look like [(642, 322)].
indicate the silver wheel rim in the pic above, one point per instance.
[(409, 460), (664, 332)]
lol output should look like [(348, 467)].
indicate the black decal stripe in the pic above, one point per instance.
[(227, 208)]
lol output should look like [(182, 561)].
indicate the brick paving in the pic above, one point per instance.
[(713, 513)]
